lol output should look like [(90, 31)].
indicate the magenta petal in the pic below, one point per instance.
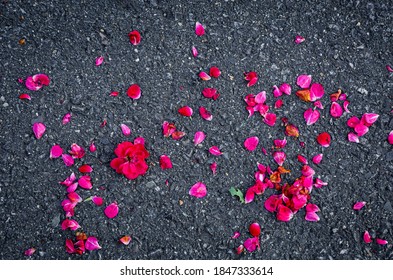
[(284, 214), (68, 160), (260, 98), (165, 162), (214, 150), (299, 39), (319, 183), (317, 159), (29, 252), (272, 203), (270, 119), (251, 143), (204, 76), (299, 201), (55, 152), (85, 182), (205, 114), (302, 159), (249, 196), (345, 106), (199, 29), (352, 137), (23, 96), (99, 60), (198, 190), (235, 235), (367, 237), (66, 118), (369, 118), (280, 143), (278, 104), (381, 241), (37, 81), (111, 210), (125, 129), (97, 200), (390, 137), (285, 88), (318, 104), (276, 91), (389, 68), (316, 92), (361, 129), (359, 205), (312, 208), (92, 244), (307, 171), (335, 110), (251, 244), (279, 157), (304, 81), (353, 121), (311, 116), (92, 147), (213, 167), (199, 137), (39, 129), (312, 217), (194, 51)]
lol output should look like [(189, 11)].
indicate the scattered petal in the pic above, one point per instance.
[(335, 110), (311, 116), (126, 239), (369, 118), (280, 143), (198, 190), (284, 214), (278, 104), (125, 129), (77, 151), (312, 217), (361, 129), (55, 152), (134, 91), (194, 51), (135, 37), (251, 77), (251, 143), (85, 182), (304, 81), (276, 91), (312, 208), (210, 93), (260, 98), (214, 72), (367, 237), (317, 159), (239, 249), (99, 60), (97, 200), (85, 168), (318, 104), (304, 94), (299, 39), (92, 244), (255, 229), (251, 244), (213, 167), (114, 93), (316, 92), (324, 139), (302, 159), (165, 162), (279, 157), (177, 135), (205, 114), (235, 235), (214, 150), (37, 81), (24, 96), (185, 111), (271, 204), (168, 128), (30, 252), (291, 130), (111, 210), (389, 68), (70, 224), (68, 160), (199, 29), (204, 76), (199, 137), (307, 171), (359, 205), (92, 147), (285, 88), (270, 119), (66, 118), (345, 106), (390, 137), (39, 129), (382, 241)]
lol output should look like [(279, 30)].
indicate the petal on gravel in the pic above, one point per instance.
[(278, 104), (204, 76), (382, 241), (30, 252), (361, 129), (66, 118), (251, 77), (335, 110), (55, 152), (369, 118), (214, 72), (345, 106), (92, 147), (165, 162), (213, 168), (317, 158), (210, 93), (276, 91), (270, 119), (194, 51), (302, 159), (316, 92), (91, 244), (97, 200), (307, 171), (99, 60), (177, 135), (352, 137), (168, 128), (260, 98), (367, 237), (284, 214), (279, 157), (37, 81), (324, 139), (68, 160), (251, 143), (318, 104), (291, 130), (304, 81), (214, 150), (311, 116), (134, 91), (235, 235), (389, 68), (199, 29), (24, 96), (359, 205), (390, 137), (353, 121), (125, 129), (198, 190), (85, 182), (185, 111), (111, 210), (285, 88), (299, 39), (312, 217), (251, 244), (272, 203), (199, 137), (254, 229), (205, 114), (280, 143), (312, 208), (135, 37), (114, 93), (126, 239), (85, 168), (39, 129)]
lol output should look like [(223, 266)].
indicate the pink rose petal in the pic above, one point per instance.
[(214, 72), (99, 60), (66, 118), (318, 104), (240, 249), (319, 183), (134, 91), (210, 93), (279, 157), (92, 147), (92, 244), (251, 77), (213, 167), (30, 252), (381, 241), (198, 190), (55, 152), (194, 51), (199, 29), (299, 39), (85, 168), (271, 204), (111, 210), (97, 200), (312, 208), (114, 93), (165, 162), (235, 235), (280, 143), (359, 205), (367, 237), (285, 88), (316, 92), (302, 159), (312, 217), (304, 81), (390, 137), (353, 121), (270, 119), (68, 160), (311, 116), (276, 91), (85, 182), (185, 111), (284, 214), (335, 110), (352, 137), (199, 137), (317, 158), (77, 151), (24, 96), (361, 129), (205, 114), (251, 143), (298, 201), (389, 68), (214, 150), (251, 244), (369, 118), (39, 129), (204, 76), (70, 224), (125, 129), (307, 171), (345, 106)]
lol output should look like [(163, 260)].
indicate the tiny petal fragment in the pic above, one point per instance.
[(199, 29), (199, 137), (165, 162), (311, 116), (381, 241), (39, 129), (194, 51), (30, 252), (389, 68), (335, 110), (125, 129), (99, 60), (367, 237), (299, 39), (251, 143), (214, 150), (304, 81), (317, 159), (278, 104), (111, 210), (198, 190), (126, 239), (324, 139), (66, 118), (185, 111), (359, 205), (55, 152), (134, 91), (24, 96), (135, 37), (68, 160), (92, 244), (255, 229), (214, 72)]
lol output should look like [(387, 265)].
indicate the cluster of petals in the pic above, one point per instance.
[(309, 92), (368, 239), (336, 110), (81, 245), (130, 160), (170, 130), (251, 77), (37, 81), (210, 93), (360, 126), (256, 103), (262, 182), (282, 89), (252, 243)]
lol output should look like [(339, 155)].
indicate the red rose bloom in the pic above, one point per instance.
[(130, 160)]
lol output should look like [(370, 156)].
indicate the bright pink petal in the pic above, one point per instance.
[(92, 147), (125, 129), (135, 37), (66, 118), (335, 110), (285, 88), (85, 182), (204, 76), (318, 104), (307, 171), (280, 143), (302, 159), (276, 91), (214, 150), (37, 81), (382, 241), (361, 129), (317, 158), (270, 119), (126, 239), (369, 118), (299, 39), (68, 160), (304, 81), (71, 224), (213, 167), (252, 77), (99, 60), (312, 217), (353, 121), (312, 208), (345, 106), (390, 137), (30, 252), (194, 51), (251, 143), (214, 72), (367, 237), (324, 139), (85, 168), (311, 116), (359, 205), (284, 214), (199, 29), (111, 210), (97, 200), (279, 157), (199, 137), (299, 201), (185, 111), (264, 151), (272, 203), (55, 152), (134, 91), (278, 104), (260, 98), (319, 183), (251, 244), (24, 96), (114, 93), (352, 137), (205, 114), (236, 235), (389, 68), (316, 92), (92, 244), (198, 190), (165, 162), (39, 129)]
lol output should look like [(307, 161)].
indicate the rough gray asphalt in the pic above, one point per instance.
[(348, 44)]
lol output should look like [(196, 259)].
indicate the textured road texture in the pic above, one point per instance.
[(347, 46)]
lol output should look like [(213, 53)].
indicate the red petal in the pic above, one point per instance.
[(251, 143), (24, 96), (199, 137), (213, 168), (299, 39), (198, 190), (39, 129), (205, 114), (134, 91), (85, 168), (111, 210), (204, 76), (92, 244), (125, 129), (278, 104), (335, 110), (185, 111), (316, 92), (99, 60), (215, 151), (177, 135), (324, 139), (304, 81), (77, 151), (239, 249), (311, 116), (114, 93), (210, 93), (252, 77), (367, 237), (126, 239), (165, 162), (284, 214), (390, 137), (270, 119), (168, 128), (199, 29), (135, 37), (302, 159), (317, 159), (255, 229), (359, 205), (68, 160), (55, 152), (214, 72)]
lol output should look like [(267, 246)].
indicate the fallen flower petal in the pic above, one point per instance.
[(367, 237), (304, 81), (213, 167), (260, 98), (204, 76), (310, 207), (235, 235), (29, 252), (317, 158), (302, 159), (126, 239), (114, 93), (270, 119), (134, 91), (359, 205), (214, 72), (92, 244), (70, 248), (251, 143), (353, 121), (185, 111), (85, 182), (285, 88), (66, 118), (199, 137), (389, 68), (361, 129), (390, 137), (214, 150), (276, 91), (316, 92), (284, 214), (39, 129), (319, 183), (177, 135), (24, 96), (71, 224), (369, 118), (335, 110), (324, 139), (210, 93), (205, 114), (307, 171), (97, 200), (37, 81), (168, 128), (311, 116), (135, 37), (55, 152), (165, 162), (279, 144), (251, 77), (199, 29), (291, 130), (198, 190), (85, 168), (92, 147), (312, 217), (99, 60), (68, 160), (194, 51), (272, 203), (279, 157), (239, 249), (381, 241), (299, 39), (278, 104), (318, 104), (77, 151), (345, 106), (125, 129), (251, 244), (255, 229), (111, 210)]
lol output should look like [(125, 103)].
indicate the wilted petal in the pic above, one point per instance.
[(97, 200), (316, 92), (111, 210), (252, 77), (213, 167), (317, 158), (361, 129), (270, 119), (92, 147), (85, 168), (39, 129), (85, 182), (185, 111), (55, 152), (285, 88), (312, 217), (29, 252), (369, 118), (126, 239), (125, 129), (37, 81), (251, 244), (214, 150), (199, 137), (311, 116), (99, 60), (278, 104), (324, 139), (68, 160), (177, 135), (199, 29), (291, 130), (135, 37), (390, 137), (251, 143), (307, 171), (204, 76), (318, 104), (168, 128), (198, 190), (194, 51), (77, 151), (276, 91), (92, 244), (382, 241), (24, 96), (165, 162), (367, 237), (345, 106), (284, 214), (359, 205), (304, 81), (335, 110), (214, 72), (279, 157), (319, 183), (280, 143), (302, 159), (299, 39), (134, 91), (210, 93), (205, 114), (304, 94), (353, 121)]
